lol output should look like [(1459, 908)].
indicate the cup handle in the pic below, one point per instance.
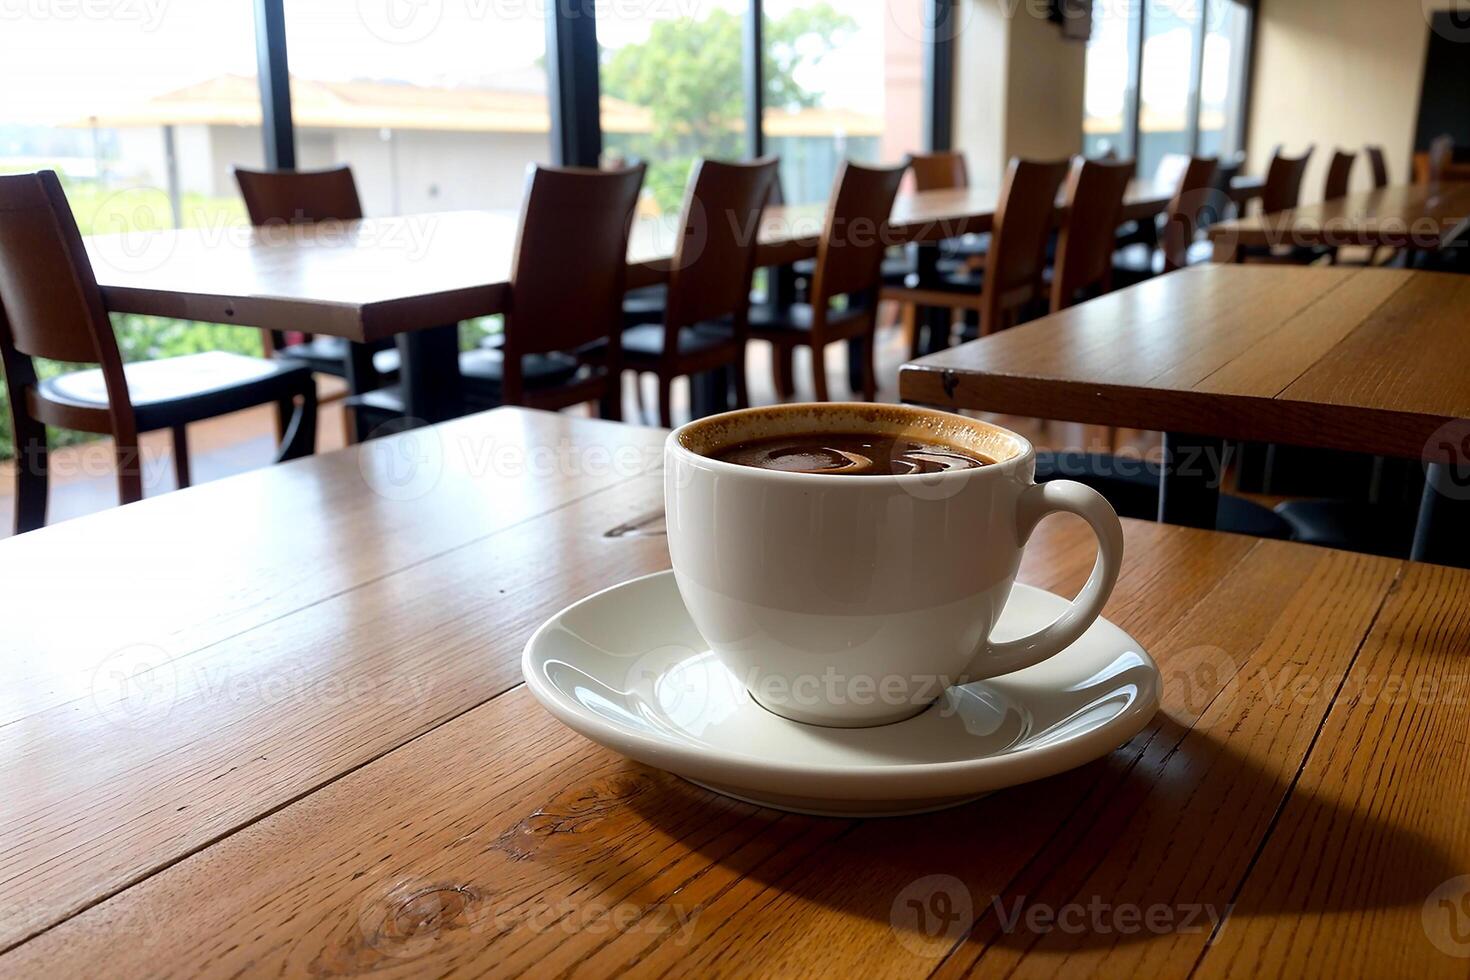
[(1036, 502)]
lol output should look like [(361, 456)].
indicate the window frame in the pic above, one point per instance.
[(1233, 136), (573, 88)]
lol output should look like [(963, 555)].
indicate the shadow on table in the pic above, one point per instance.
[(1153, 840)]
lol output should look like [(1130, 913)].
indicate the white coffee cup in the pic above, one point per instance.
[(852, 601)]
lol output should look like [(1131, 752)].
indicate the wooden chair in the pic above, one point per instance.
[(1339, 174), (1194, 195), (1094, 204), (1012, 281), (1377, 161), (939, 171), (294, 197), (51, 307), (1430, 167), (706, 315), (849, 261), (565, 306), (1283, 185)]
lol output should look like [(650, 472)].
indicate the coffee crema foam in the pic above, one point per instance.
[(851, 454), (925, 429)]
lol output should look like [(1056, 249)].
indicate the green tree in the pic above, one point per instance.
[(688, 74)]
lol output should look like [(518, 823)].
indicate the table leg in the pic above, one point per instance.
[(1189, 488), (429, 373), (1442, 535)]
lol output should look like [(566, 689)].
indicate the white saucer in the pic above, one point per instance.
[(627, 669)]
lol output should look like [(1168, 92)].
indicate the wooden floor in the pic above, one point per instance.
[(83, 482)]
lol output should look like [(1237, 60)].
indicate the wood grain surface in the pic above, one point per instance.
[(371, 279), (345, 776), (1372, 360), (1420, 216)]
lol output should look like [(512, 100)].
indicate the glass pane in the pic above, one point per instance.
[(436, 106), (825, 102), (1106, 116), (1168, 61), (1222, 78), (671, 90), (141, 113)]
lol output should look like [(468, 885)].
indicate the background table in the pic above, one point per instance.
[(1367, 360), (275, 724), (414, 277), (1413, 216)]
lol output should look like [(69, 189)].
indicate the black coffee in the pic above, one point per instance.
[(851, 454)]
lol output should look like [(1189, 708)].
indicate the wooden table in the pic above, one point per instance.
[(1368, 360), (415, 277), (1421, 217), (275, 725)]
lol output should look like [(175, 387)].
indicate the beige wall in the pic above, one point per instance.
[(1018, 87), (1337, 74)]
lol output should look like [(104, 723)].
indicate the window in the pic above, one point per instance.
[(141, 113), (1177, 68), (671, 90), (824, 101), (435, 106)]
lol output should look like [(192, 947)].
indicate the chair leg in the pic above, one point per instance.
[(781, 370), (819, 371), (31, 459), (610, 405), (129, 459), (300, 438), (181, 455), (742, 393), (870, 367), (665, 409)]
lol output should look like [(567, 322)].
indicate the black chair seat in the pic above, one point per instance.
[(328, 355), (797, 318), (1131, 485), (644, 305), (1351, 525), (483, 367), (1135, 263), (177, 390), (966, 247), (646, 341)]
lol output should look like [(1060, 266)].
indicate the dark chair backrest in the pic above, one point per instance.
[(1024, 217), (1283, 187), (50, 306), (715, 257), (939, 171), (1221, 205), (571, 258), (1379, 164), (299, 196), (855, 233), (1339, 172), (1094, 208), (1195, 194)]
